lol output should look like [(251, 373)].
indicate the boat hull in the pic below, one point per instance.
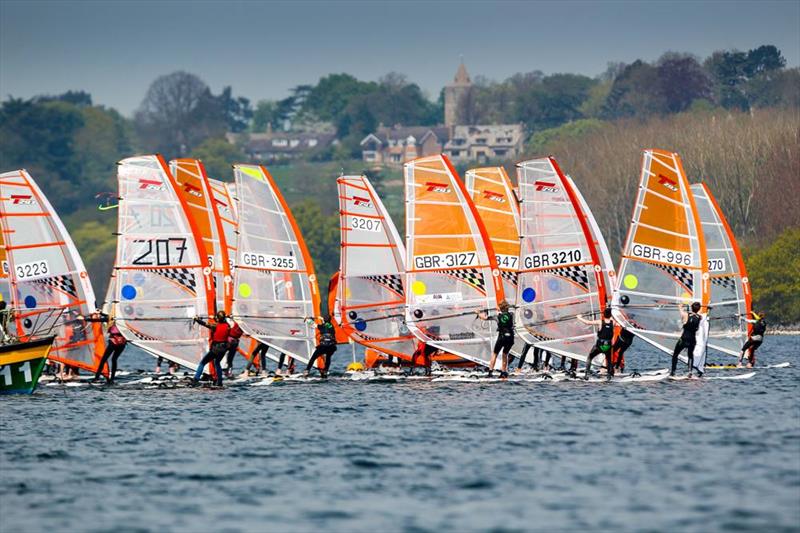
[(21, 365)]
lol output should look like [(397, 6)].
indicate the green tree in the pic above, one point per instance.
[(321, 234), (773, 277), (266, 115), (218, 155)]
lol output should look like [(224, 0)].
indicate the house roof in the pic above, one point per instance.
[(265, 142), (401, 133)]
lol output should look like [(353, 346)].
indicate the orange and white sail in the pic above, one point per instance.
[(561, 263), (162, 274), (730, 298), (451, 269), (190, 174), (275, 288), (48, 283), (664, 263), (371, 288), (493, 194)]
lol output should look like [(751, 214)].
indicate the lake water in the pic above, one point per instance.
[(414, 456)]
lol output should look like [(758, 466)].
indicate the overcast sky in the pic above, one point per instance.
[(115, 49)]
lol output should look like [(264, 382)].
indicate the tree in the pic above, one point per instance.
[(237, 111), (682, 80), (266, 115), (635, 92), (218, 155), (178, 113), (321, 234), (773, 277)]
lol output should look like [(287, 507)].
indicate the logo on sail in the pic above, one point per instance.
[(191, 189), (22, 199), (494, 197), (668, 183), (150, 185), (437, 187), (545, 186), (362, 202)]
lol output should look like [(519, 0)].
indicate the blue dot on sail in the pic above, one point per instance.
[(30, 302), (129, 292), (360, 324), (529, 295)]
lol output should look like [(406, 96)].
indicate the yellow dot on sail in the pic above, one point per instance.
[(418, 288), (245, 290), (686, 297), (347, 293), (631, 281)]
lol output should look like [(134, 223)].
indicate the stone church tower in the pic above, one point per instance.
[(455, 95)]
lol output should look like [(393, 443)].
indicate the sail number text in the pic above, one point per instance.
[(160, 252), (460, 259), (35, 269), (508, 262), (268, 261), (366, 224), (553, 259), (716, 265), (663, 255)]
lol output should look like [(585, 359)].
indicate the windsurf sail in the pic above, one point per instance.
[(162, 275), (276, 295), (190, 174), (335, 309), (561, 265), (493, 195), (451, 269), (730, 298), (48, 283), (664, 266), (371, 288)]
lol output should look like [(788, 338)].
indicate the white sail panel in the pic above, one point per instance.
[(730, 298), (664, 264), (49, 285), (561, 269), (275, 288), (163, 278), (451, 270), (371, 287)]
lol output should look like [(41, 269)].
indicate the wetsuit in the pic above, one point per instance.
[(281, 360), (114, 348), (326, 347), (425, 351), (233, 345), (258, 357), (755, 340), (505, 333), (605, 336), (687, 341), (220, 331), (623, 342)]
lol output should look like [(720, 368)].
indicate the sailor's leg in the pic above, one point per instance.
[(595, 350), (524, 354), (317, 352), (218, 369), (328, 357), (106, 354), (117, 352), (678, 349), (690, 351), (203, 362)]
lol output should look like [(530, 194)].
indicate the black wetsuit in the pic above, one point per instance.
[(687, 341), (755, 339), (114, 348), (326, 347), (623, 342), (605, 336), (259, 354), (505, 333)]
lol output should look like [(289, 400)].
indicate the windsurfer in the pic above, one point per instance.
[(687, 341), (505, 337), (754, 340), (258, 358), (234, 334), (621, 344), (326, 346), (426, 352), (605, 337), (5, 316), (289, 367), (220, 331), (114, 348)]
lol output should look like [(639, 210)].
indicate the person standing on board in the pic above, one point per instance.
[(688, 339), (234, 335), (220, 331), (605, 337), (5, 317), (114, 348), (621, 344), (258, 359), (505, 337), (326, 346), (425, 351), (754, 340)]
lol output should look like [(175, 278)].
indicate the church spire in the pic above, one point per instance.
[(462, 78)]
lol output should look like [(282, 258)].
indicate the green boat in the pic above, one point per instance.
[(21, 365)]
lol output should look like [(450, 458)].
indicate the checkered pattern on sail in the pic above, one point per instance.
[(681, 274), (471, 276), (182, 276), (63, 283), (576, 274), (142, 336), (393, 282), (509, 276), (728, 282)]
